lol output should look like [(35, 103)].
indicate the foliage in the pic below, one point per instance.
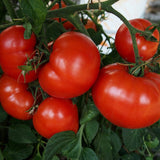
[(97, 138)]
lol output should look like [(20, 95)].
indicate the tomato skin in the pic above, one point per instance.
[(125, 100), (55, 115), (14, 52), (73, 66), (124, 45), (90, 24), (15, 99)]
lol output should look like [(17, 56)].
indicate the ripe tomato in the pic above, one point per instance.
[(125, 100), (66, 24), (15, 99), (55, 115), (124, 45), (90, 24), (14, 52), (73, 66)]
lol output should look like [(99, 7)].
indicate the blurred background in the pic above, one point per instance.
[(148, 9)]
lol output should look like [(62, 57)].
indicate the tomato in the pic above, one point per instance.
[(55, 115), (14, 52), (73, 66), (125, 100), (90, 24), (124, 45), (66, 24), (15, 99)]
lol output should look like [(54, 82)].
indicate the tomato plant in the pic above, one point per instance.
[(15, 51), (122, 103), (146, 48), (15, 99), (81, 99), (90, 24), (66, 24), (72, 68), (55, 115)]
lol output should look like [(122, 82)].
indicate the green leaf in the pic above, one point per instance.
[(2, 12), (57, 142), (34, 11), (54, 30), (1, 155), (155, 131), (131, 156), (21, 134), (15, 151), (132, 138), (55, 158), (153, 143), (37, 157), (88, 154), (3, 114), (102, 144), (91, 129), (115, 142), (112, 57), (28, 30), (95, 36), (26, 68), (89, 113), (66, 143), (73, 149)]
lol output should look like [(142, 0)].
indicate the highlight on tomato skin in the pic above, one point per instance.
[(146, 48), (73, 66), (16, 51), (56, 115), (15, 99), (125, 100)]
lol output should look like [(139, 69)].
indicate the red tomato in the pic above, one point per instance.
[(73, 66), (14, 51), (90, 24), (15, 99), (66, 24), (125, 100), (55, 115), (124, 45)]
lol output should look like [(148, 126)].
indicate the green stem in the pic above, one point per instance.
[(107, 6), (6, 25), (70, 10), (75, 20), (149, 153), (132, 31), (10, 9), (80, 134)]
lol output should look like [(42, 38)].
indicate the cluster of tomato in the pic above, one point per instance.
[(124, 99), (71, 71), (74, 68)]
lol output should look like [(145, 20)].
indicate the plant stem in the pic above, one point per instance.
[(70, 10), (80, 134), (10, 9), (107, 6), (131, 29), (75, 20), (6, 25)]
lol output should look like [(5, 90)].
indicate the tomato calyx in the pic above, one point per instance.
[(138, 70), (148, 33), (32, 64)]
